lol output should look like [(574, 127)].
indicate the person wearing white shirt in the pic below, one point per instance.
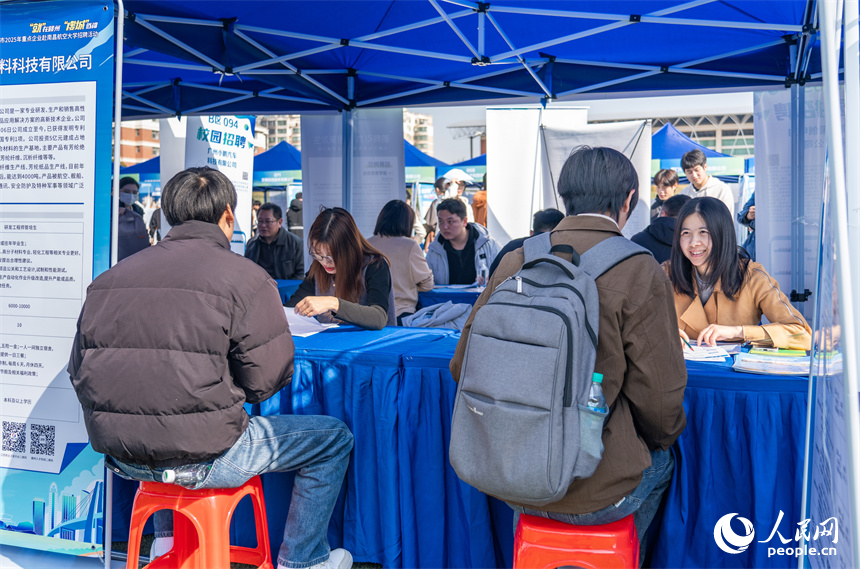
[(701, 184)]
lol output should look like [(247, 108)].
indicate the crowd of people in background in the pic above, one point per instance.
[(375, 282)]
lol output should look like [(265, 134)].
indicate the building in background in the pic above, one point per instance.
[(39, 516), (138, 142), (282, 128), (418, 131)]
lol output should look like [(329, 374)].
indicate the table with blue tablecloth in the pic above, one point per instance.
[(287, 288), (403, 506)]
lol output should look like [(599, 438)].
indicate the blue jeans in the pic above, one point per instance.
[(643, 502), (316, 446)]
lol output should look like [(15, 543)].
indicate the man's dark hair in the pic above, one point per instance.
[(452, 205), (298, 195), (395, 220), (276, 210), (546, 220), (128, 180), (692, 159), (597, 180), (673, 205), (197, 194), (666, 177)]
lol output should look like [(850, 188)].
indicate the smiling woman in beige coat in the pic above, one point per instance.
[(720, 296)]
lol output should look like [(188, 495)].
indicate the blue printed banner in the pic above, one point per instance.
[(56, 101)]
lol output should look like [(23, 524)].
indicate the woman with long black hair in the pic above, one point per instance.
[(720, 294), (349, 280)]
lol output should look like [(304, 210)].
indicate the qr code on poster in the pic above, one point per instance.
[(14, 436), (42, 439)]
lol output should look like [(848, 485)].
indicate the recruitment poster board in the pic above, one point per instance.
[(56, 109), (226, 143)]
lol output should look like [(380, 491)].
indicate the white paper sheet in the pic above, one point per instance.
[(705, 354), (304, 326)]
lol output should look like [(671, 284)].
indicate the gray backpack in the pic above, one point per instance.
[(521, 429)]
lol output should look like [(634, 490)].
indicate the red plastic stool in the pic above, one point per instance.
[(540, 543), (201, 526)]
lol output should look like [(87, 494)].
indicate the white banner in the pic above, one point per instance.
[(226, 143), (378, 170), (774, 172)]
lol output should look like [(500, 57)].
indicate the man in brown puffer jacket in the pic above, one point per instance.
[(163, 386)]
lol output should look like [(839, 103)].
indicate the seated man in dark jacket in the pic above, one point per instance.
[(163, 388), (657, 237), (274, 248)]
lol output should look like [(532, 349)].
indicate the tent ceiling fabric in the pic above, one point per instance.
[(234, 57)]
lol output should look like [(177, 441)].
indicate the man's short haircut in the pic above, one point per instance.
[(546, 220), (128, 180), (673, 205), (276, 210), (666, 177), (197, 194), (298, 195), (692, 159), (452, 205), (597, 180)]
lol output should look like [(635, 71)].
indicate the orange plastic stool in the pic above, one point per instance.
[(540, 543), (201, 526)]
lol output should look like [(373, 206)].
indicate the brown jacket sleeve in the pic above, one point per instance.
[(261, 345), (786, 328), (656, 374)]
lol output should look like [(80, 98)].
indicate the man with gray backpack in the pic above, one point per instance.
[(571, 375)]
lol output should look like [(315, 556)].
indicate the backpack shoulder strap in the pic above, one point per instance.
[(609, 253), (537, 246)]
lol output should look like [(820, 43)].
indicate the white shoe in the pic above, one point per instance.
[(160, 546), (337, 559)]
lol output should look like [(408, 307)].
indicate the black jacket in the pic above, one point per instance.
[(171, 343), (287, 253), (294, 214), (657, 238)]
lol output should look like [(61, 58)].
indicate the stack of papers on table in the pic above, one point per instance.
[(304, 326), (705, 354), (773, 365)]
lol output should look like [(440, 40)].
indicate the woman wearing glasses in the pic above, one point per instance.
[(348, 281)]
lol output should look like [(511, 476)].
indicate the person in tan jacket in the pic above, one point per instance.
[(637, 353), (720, 296), (409, 271)]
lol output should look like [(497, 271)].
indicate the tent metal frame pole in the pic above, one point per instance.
[(291, 67), (454, 27), (839, 219), (178, 43), (851, 54), (527, 66), (119, 19), (594, 31), (798, 163), (346, 156), (126, 95), (188, 66)]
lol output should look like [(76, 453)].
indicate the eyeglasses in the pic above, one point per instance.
[(267, 221), (327, 259)]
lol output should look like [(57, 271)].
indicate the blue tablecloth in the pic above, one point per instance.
[(287, 288), (444, 294), (742, 452), (403, 506)]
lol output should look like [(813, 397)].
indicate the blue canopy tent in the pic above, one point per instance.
[(420, 167), (668, 146), (148, 175), (475, 167), (258, 57), (277, 167)]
